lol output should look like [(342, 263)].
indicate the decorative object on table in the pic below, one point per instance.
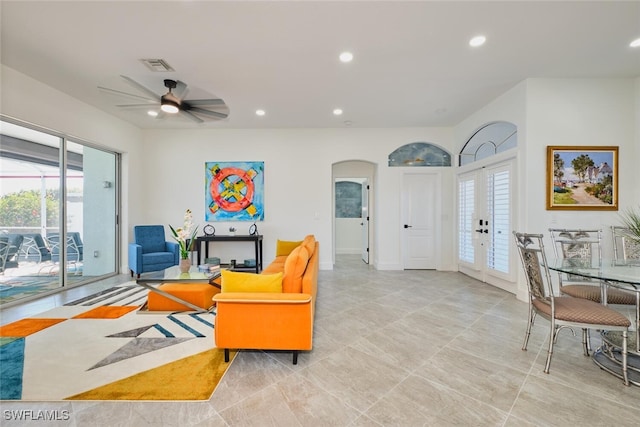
[(232, 263), (250, 262), (185, 236), (234, 191), (212, 261), (582, 178), (209, 230), (631, 221), (232, 231), (253, 229)]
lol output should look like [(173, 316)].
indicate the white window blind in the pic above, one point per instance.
[(466, 194), (498, 200)]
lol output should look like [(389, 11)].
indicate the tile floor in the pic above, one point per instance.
[(391, 348)]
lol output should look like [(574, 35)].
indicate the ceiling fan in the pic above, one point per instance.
[(173, 102)]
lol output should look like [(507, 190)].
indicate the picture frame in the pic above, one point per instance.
[(582, 178), (234, 191)]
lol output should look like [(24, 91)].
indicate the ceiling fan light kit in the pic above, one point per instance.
[(169, 106)]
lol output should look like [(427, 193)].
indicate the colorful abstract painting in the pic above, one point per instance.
[(234, 191)]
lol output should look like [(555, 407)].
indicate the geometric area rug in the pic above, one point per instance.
[(101, 347)]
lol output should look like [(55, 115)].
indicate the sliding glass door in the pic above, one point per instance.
[(58, 211)]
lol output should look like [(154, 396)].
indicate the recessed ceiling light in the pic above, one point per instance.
[(477, 41), (635, 43), (337, 112), (152, 113), (346, 56), (260, 113)]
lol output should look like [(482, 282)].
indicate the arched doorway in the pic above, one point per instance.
[(352, 234)]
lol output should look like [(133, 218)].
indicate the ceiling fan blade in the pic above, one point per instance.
[(154, 105), (197, 102), (181, 90), (191, 116), (209, 112), (141, 88), (125, 94)]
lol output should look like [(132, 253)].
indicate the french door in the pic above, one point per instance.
[(485, 200)]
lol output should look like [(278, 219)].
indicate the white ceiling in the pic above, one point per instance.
[(412, 67)]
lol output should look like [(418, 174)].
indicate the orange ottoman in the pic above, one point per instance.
[(200, 294)]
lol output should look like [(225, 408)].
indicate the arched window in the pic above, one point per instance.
[(489, 139), (419, 154)]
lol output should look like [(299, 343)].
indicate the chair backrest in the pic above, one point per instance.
[(73, 252), (625, 246), (534, 262), (4, 251), (150, 237), (576, 244)]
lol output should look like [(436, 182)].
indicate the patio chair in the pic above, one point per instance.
[(34, 249), (15, 242), (73, 251), (4, 251), (563, 311)]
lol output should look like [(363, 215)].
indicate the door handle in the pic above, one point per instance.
[(482, 231), (407, 226)]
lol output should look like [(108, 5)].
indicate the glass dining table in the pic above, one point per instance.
[(621, 274)]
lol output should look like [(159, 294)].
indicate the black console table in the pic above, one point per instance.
[(256, 239)]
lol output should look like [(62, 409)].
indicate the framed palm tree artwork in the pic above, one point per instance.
[(582, 178)]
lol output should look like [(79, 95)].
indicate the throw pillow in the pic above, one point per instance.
[(284, 247), (309, 244), (294, 268), (235, 281)]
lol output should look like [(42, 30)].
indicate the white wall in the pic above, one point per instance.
[(298, 179), (578, 112)]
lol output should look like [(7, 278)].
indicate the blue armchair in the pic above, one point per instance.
[(151, 252)]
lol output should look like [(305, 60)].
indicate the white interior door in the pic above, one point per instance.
[(365, 221), (484, 224), (419, 199)]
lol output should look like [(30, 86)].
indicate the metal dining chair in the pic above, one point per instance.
[(563, 311), (584, 244), (625, 246)]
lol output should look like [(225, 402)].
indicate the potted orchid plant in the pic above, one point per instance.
[(185, 236)]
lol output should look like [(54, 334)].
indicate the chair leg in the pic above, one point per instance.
[(295, 357), (528, 331), (586, 341), (552, 339), (226, 355), (625, 378)]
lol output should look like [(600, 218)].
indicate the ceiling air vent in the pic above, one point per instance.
[(159, 65)]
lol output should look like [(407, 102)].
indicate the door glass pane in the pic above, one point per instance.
[(466, 202), (498, 200), (29, 210), (92, 211), (43, 254)]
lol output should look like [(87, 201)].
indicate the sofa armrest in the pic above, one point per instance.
[(262, 297)]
